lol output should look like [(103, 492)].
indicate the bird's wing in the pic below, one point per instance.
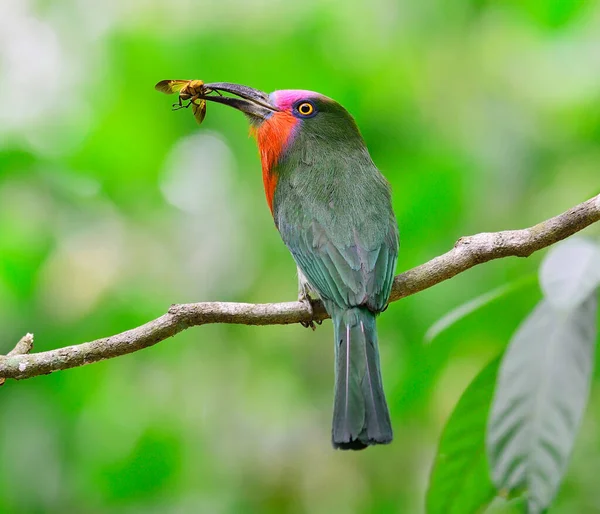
[(345, 272)]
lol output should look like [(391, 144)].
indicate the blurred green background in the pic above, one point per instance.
[(483, 115)]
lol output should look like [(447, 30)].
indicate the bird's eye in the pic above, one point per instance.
[(305, 109)]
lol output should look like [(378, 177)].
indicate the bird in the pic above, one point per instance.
[(333, 209)]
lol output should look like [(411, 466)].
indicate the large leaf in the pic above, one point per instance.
[(460, 482), (570, 272), (540, 397)]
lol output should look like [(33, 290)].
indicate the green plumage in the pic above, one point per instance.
[(333, 209)]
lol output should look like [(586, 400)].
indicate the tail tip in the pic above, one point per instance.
[(359, 444)]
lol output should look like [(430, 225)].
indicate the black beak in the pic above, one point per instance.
[(252, 102)]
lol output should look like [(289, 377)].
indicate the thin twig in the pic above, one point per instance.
[(23, 347), (467, 252)]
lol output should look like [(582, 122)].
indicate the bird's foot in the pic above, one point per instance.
[(305, 298)]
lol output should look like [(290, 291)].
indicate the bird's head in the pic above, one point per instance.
[(291, 124)]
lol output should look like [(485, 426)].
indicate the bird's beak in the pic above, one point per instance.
[(252, 102)]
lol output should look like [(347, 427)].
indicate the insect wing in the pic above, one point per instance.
[(171, 86), (199, 110)]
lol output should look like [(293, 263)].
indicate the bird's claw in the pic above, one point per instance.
[(306, 300), (307, 324)]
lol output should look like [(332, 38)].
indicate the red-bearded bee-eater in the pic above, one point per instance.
[(333, 209)]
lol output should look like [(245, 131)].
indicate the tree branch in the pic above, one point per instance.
[(467, 252)]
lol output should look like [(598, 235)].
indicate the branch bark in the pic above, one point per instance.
[(467, 252)]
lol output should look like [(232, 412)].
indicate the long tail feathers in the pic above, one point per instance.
[(360, 413)]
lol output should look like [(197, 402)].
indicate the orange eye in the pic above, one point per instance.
[(306, 108)]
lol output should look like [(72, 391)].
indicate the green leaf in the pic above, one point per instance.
[(570, 272), (460, 482), (462, 311), (504, 506), (541, 394)]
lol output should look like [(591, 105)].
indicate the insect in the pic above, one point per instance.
[(188, 90)]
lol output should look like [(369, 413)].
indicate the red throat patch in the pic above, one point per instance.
[(272, 137)]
